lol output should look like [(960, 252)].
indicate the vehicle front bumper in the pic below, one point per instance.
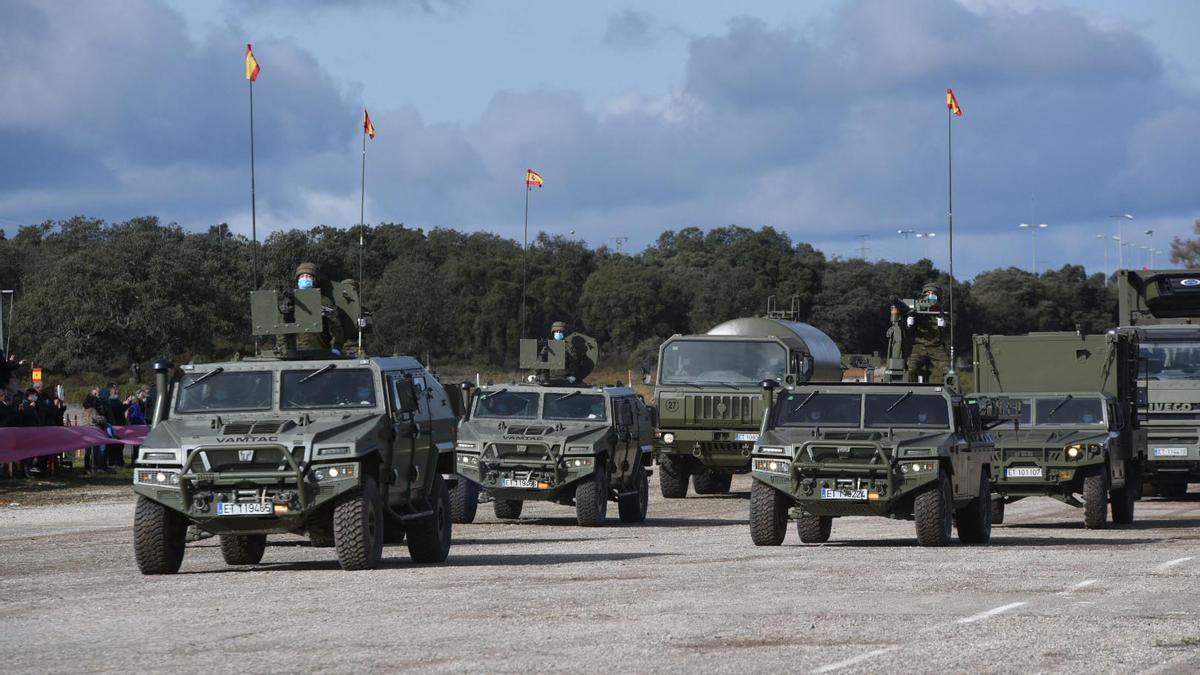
[(809, 483), (525, 479), (725, 449)]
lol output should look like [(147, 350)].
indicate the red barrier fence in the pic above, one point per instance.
[(18, 443)]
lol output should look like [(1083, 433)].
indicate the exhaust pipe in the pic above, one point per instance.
[(162, 382)]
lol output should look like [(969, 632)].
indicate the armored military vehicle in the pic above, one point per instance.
[(918, 452), (707, 394), (350, 451), (555, 438), (1163, 308), (1078, 438)]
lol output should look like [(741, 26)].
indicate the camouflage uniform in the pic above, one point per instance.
[(929, 359), (332, 335)]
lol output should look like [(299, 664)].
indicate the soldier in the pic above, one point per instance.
[(332, 337), (929, 358)]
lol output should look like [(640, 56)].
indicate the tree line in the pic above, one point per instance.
[(100, 297)]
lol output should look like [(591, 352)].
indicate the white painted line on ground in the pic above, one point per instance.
[(992, 612), (1081, 585), (854, 660), (1171, 563)]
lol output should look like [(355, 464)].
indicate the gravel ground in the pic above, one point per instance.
[(686, 592)]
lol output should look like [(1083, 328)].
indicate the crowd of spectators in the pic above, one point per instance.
[(104, 408)]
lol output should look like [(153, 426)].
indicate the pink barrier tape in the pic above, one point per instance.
[(18, 443)]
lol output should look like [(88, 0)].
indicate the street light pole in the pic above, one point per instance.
[(926, 236), (1104, 243), (1120, 237), (1034, 229), (905, 233)]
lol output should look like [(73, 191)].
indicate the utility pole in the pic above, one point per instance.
[(862, 245)]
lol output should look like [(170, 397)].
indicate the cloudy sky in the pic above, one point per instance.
[(825, 119)]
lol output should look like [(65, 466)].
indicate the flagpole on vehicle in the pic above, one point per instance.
[(362, 205), (952, 109), (524, 252), (252, 71)]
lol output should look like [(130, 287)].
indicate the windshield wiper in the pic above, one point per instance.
[(566, 396), (902, 399), (806, 400), (204, 377), (1055, 408), (492, 393), (324, 369)]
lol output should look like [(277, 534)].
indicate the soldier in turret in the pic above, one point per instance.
[(929, 358), (332, 337)]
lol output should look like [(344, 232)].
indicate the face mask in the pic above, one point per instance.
[(304, 282), (932, 297), (558, 335)]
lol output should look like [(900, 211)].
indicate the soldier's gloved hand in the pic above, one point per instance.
[(326, 310), (910, 322), (941, 322)]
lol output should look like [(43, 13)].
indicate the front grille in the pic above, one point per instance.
[(265, 427), (521, 451), (264, 458), (861, 454), (737, 408), (528, 431)]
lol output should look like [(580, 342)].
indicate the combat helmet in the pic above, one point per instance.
[(307, 268), (931, 286), (558, 326)]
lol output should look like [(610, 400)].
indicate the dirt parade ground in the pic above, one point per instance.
[(686, 592)]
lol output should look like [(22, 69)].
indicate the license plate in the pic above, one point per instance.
[(529, 484), (1170, 452), (844, 493), (749, 438), (1024, 472), (232, 509)]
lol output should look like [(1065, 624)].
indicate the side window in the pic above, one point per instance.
[(403, 393), (624, 413)]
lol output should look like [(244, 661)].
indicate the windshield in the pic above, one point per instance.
[(1173, 360), (1025, 418), (1061, 410), (327, 388), (506, 404), (573, 406), (219, 391), (815, 408), (905, 409), (722, 362)]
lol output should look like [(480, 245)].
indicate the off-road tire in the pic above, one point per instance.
[(464, 501), (1095, 501), (672, 477), (507, 509), (933, 511), (768, 514), (997, 511), (591, 500), (711, 482), (975, 519), (243, 549), (1124, 499), (358, 527), (632, 508), (158, 537), (320, 528), (814, 529), (429, 537)]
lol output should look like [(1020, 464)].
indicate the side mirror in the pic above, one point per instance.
[(625, 416), (406, 397), (804, 368), (647, 379)]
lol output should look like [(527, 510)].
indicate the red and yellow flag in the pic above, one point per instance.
[(952, 103), (533, 178), (368, 128), (251, 65)]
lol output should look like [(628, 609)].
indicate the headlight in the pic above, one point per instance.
[(466, 446), (468, 460), (770, 450), (332, 451), (578, 462), (158, 456), (772, 465), (335, 471), (1074, 451), (918, 467), (156, 477), (668, 438)]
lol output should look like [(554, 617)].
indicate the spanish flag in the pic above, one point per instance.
[(533, 178), (251, 65), (368, 128), (952, 103)]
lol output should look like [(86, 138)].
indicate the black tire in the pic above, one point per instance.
[(358, 527), (933, 511), (672, 477), (464, 501), (632, 508), (814, 529), (429, 537), (158, 537), (975, 519), (243, 549), (591, 500), (320, 528), (507, 509), (768, 514), (1124, 499), (724, 482), (1095, 501), (997, 511), (709, 483)]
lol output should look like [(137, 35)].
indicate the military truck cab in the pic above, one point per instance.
[(707, 394)]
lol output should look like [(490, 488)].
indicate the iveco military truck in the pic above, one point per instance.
[(1163, 308), (907, 451), (1077, 439), (708, 399), (555, 438), (348, 451)]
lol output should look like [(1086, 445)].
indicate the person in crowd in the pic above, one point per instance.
[(114, 411), (95, 461)]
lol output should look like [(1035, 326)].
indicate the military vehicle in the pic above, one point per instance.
[(555, 438), (1163, 308), (708, 399), (918, 452), (350, 451), (1078, 439)]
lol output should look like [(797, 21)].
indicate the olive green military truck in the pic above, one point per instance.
[(1078, 439), (555, 438), (708, 398), (1163, 308), (900, 450), (350, 451)]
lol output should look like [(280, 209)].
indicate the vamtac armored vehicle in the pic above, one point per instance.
[(555, 438), (907, 451), (350, 451), (1163, 308), (1077, 439), (708, 398)]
